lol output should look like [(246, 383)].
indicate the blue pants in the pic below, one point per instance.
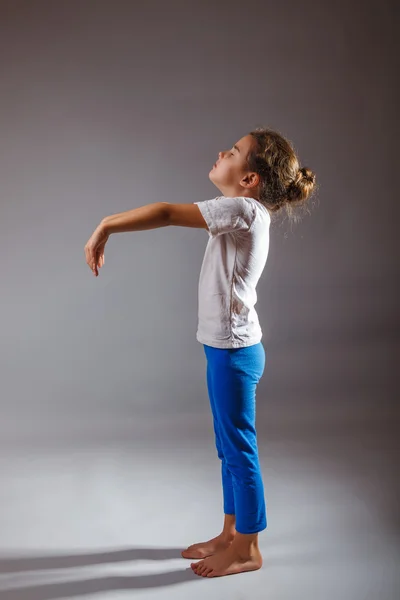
[(232, 377)]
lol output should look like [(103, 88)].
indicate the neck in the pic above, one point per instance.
[(235, 192)]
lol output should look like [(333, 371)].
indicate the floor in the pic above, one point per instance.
[(108, 517)]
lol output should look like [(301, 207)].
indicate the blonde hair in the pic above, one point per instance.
[(283, 184)]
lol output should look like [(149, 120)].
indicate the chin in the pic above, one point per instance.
[(210, 176)]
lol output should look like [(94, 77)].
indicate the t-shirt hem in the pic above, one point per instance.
[(205, 211), (229, 343)]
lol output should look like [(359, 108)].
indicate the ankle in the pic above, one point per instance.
[(245, 546), (229, 529), (228, 536)]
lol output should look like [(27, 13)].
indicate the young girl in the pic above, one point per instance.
[(258, 176)]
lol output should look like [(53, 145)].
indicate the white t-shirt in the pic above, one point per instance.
[(234, 259)]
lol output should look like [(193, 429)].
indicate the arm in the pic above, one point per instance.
[(145, 217), (185, 215), (151, 216)]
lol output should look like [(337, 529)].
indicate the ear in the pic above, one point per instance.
[(251, 180)]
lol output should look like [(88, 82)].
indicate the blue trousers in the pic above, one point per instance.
[(232, 378)]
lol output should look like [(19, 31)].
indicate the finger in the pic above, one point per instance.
[(94, 263), (89, 257)]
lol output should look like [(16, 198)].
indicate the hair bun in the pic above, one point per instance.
[(307, 174)]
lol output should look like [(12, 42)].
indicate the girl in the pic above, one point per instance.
[(258, 176)]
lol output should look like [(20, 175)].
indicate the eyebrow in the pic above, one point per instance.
[(236, 148)]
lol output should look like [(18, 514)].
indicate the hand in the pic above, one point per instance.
[(94, 249)]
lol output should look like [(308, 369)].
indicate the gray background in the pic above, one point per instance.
[(107, 106)]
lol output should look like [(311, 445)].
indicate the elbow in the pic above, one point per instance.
[(165, 212)]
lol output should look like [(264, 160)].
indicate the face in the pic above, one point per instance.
[(230, 173)]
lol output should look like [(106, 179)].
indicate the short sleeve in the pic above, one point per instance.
[(227, 215)]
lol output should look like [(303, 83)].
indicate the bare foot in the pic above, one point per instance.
[(203, 549), (228, 562)]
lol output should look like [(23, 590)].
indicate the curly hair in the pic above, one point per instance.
[(283, 184)]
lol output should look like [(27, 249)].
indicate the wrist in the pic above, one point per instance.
[(104, 225)]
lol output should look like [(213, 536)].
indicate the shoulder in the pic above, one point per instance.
[(258, 207)]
